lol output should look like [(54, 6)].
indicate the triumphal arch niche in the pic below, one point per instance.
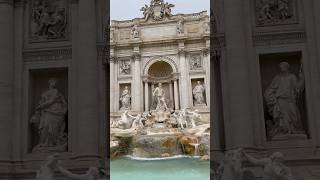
[(160, 61)]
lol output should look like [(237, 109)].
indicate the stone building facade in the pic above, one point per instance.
[(160, 48), (269, 64), (51, 81)]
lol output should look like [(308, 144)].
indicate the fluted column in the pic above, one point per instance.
[(112, 85), (136, 103), (238, 95), (206, 57), (87, 82), (170, 89), (184, 99), (176, 95), (6, 76), (19, 6), (146, 96)]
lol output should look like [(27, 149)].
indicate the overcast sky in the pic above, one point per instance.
[(129, 9)]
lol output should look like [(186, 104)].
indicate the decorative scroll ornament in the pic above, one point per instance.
[(158, 10)]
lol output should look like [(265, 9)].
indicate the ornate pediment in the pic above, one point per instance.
[(157, 11)]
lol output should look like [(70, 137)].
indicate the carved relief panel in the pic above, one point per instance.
[(195, 62), (283, 90), (275, 12), (48, 20), (124, 67)]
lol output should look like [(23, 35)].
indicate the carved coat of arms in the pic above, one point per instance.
[(158, 10)]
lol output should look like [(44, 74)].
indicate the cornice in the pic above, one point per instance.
[(47, 55)]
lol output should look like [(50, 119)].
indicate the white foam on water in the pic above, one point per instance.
[(160, 158)]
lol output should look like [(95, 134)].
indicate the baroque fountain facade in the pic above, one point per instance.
[(159, 79)]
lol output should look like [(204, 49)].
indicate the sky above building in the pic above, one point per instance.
[(130, 9)]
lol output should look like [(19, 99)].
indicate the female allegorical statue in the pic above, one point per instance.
[(50, 117)]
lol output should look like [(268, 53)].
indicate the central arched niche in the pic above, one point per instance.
[(160, 69)]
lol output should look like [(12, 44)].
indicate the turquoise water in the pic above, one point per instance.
[(171, 169)]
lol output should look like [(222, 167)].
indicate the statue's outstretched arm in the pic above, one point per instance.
[(70, 174)]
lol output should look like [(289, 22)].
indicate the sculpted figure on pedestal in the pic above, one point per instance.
[(50, 118), (182, 119), (126, 121), (194, 117), (137, 122), (273, 167), (180, 29), (135, 32), (198, 94), (282, 101), (125, 99), (159, 94)]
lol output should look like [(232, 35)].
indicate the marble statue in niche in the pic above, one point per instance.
[(282, 98), (159, 95), (198, 94), (125, 67), (135, 31), (48, 19), (50, 118), (270, 12), (273, 166), (125, 99), (158, 10), (195, 62)]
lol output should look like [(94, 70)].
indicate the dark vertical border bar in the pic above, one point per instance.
[(212, 97), (107, 89)]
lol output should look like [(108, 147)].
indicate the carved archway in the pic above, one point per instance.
[(161, 70), (159, 59)]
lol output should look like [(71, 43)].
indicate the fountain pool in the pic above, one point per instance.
[(182, 168)]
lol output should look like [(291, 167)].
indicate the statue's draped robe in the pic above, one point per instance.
[(198, 94), (52, 124), (125, 99), (281, 99)]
